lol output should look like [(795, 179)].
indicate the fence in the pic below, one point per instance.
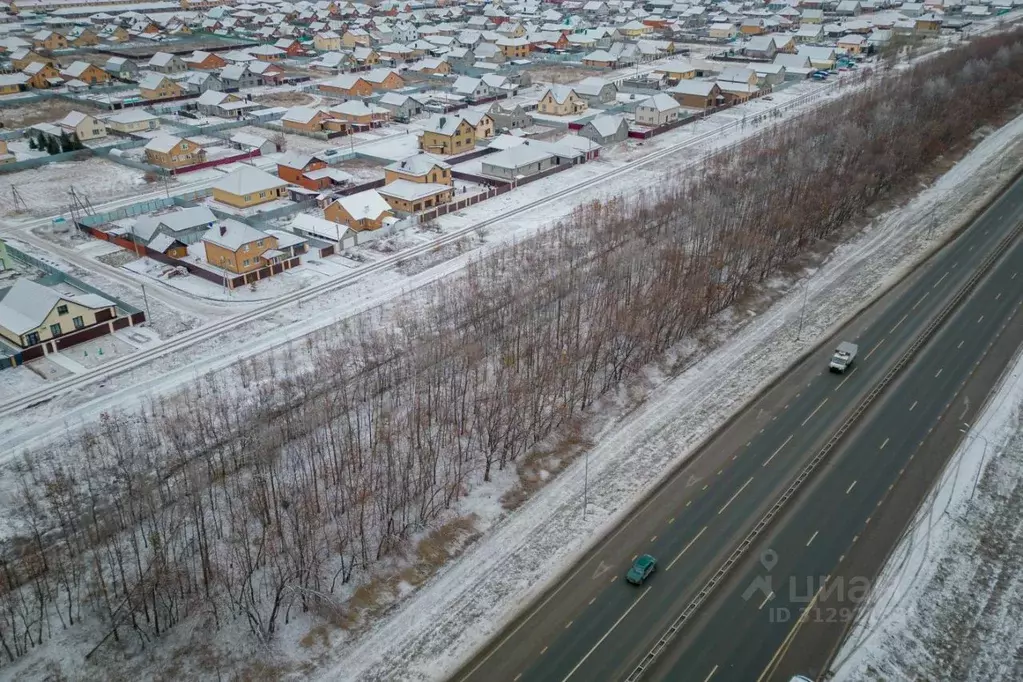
[(224, 280), (26, 164), (453, 206), (217, 162), (147, 206)]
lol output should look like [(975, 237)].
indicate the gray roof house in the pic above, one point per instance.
[(166, 63), (402, 107), (518, 162), (606, 129), (596, 91), (186, 225)]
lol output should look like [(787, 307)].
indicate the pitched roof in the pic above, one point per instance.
[(163, 143), (175, 221), (248, 180), (26, 304), (417, 164), (233, 234), (412, 191), (560, 93), (366, 204), (660, 102)]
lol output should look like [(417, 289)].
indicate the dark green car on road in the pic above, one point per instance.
[(641, 569)]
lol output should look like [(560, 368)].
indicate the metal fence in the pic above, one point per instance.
[(26, 164)]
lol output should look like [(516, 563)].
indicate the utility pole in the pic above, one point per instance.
[(802, 309), (586, 482), (145, 299)]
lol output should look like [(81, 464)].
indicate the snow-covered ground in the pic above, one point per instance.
[(438, 627), (949, 601)]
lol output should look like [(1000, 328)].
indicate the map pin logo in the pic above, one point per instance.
[(768, 559)]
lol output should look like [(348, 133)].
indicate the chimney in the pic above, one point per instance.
[(223, 229)]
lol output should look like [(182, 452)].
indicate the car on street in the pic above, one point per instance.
[(641, 569)]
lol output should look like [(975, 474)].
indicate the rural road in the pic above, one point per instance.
[(593, 626)]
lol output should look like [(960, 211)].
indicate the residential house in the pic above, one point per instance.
[(365, 56), (121, 67), (21, 58), (514, 48), (31, 314), (359, 114), (236, 247), (182, 225), (13, 82), (310, 171), (210, 102), (267, 53), (561, 100), (204, 61), (432, 66), (42, 76), (249, 186), (596, 91), (473, 89), (752, 26), (658, 110), (677, 70), (347, 85), (852, 44), (239, 76), (158, 86), (171, 152), (84, 126), (5, 157), (848, 8), (760, 47), (129, 121), (796, 66), (402, 107), (83, 37), (49, 40), (291, 47), (810, 33), (304, 119), (509, 116), (366, 210), (820, 57), (355, 37), (85, 72), (198, 82), (722, 30), (518, 162), (247, 142), (406, 197), (166, 63), (384, 79), (601, 58), (421, 167), (327, 41), (447, 134), (480, 120), (606, 129), (811, 16)]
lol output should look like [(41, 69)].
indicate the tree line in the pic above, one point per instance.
[(260, 492)]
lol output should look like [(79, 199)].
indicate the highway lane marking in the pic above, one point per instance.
[(842, 382), (884, 444), (768, 461), (544, 650), (1013, 275), (812, 537), (998, 295), (766, 599), (960, 345), (926, 294), (592, 600), (712, 671), (689, 503), (706, 485), (671, 520), (913, 405), (867, 356), (684, 549), (900, 321), (615, 579), (851, 486), (939, 373), (653, 539), (814, 412), (732, 498), (719, 471), (605, 636), (784, 648), (569, 624), (940, 280), (516, 678), (980, 319)]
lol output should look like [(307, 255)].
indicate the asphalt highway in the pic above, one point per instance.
[(593, 626)]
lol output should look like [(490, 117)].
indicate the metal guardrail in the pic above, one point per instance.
[(812, 466)]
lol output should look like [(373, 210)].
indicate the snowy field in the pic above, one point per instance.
[(45, 190), (949, 602)]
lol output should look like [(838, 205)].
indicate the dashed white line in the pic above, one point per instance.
[(939, 373), (960, 345), (899, 322), (851, 486), (684, 549), (980, 319), (913, 405), (874, 349), (926, 294), (732, 498), (812, 537), (814, 412), (883, 444), (768, 460), (940, 280), (601, 640), (768, 598), (713, 670)]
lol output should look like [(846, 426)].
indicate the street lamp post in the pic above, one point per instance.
[(802, 309)]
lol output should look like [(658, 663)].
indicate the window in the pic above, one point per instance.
[(262, 195), (259, 243), (32, 338), (62, 310), (55, 330), (245, 247), (79, 322), (245, 263), (247, 197), (184, 145)]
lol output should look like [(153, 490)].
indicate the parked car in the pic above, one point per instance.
[(641, 569)]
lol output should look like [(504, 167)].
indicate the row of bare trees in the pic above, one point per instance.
[(263, 490)]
